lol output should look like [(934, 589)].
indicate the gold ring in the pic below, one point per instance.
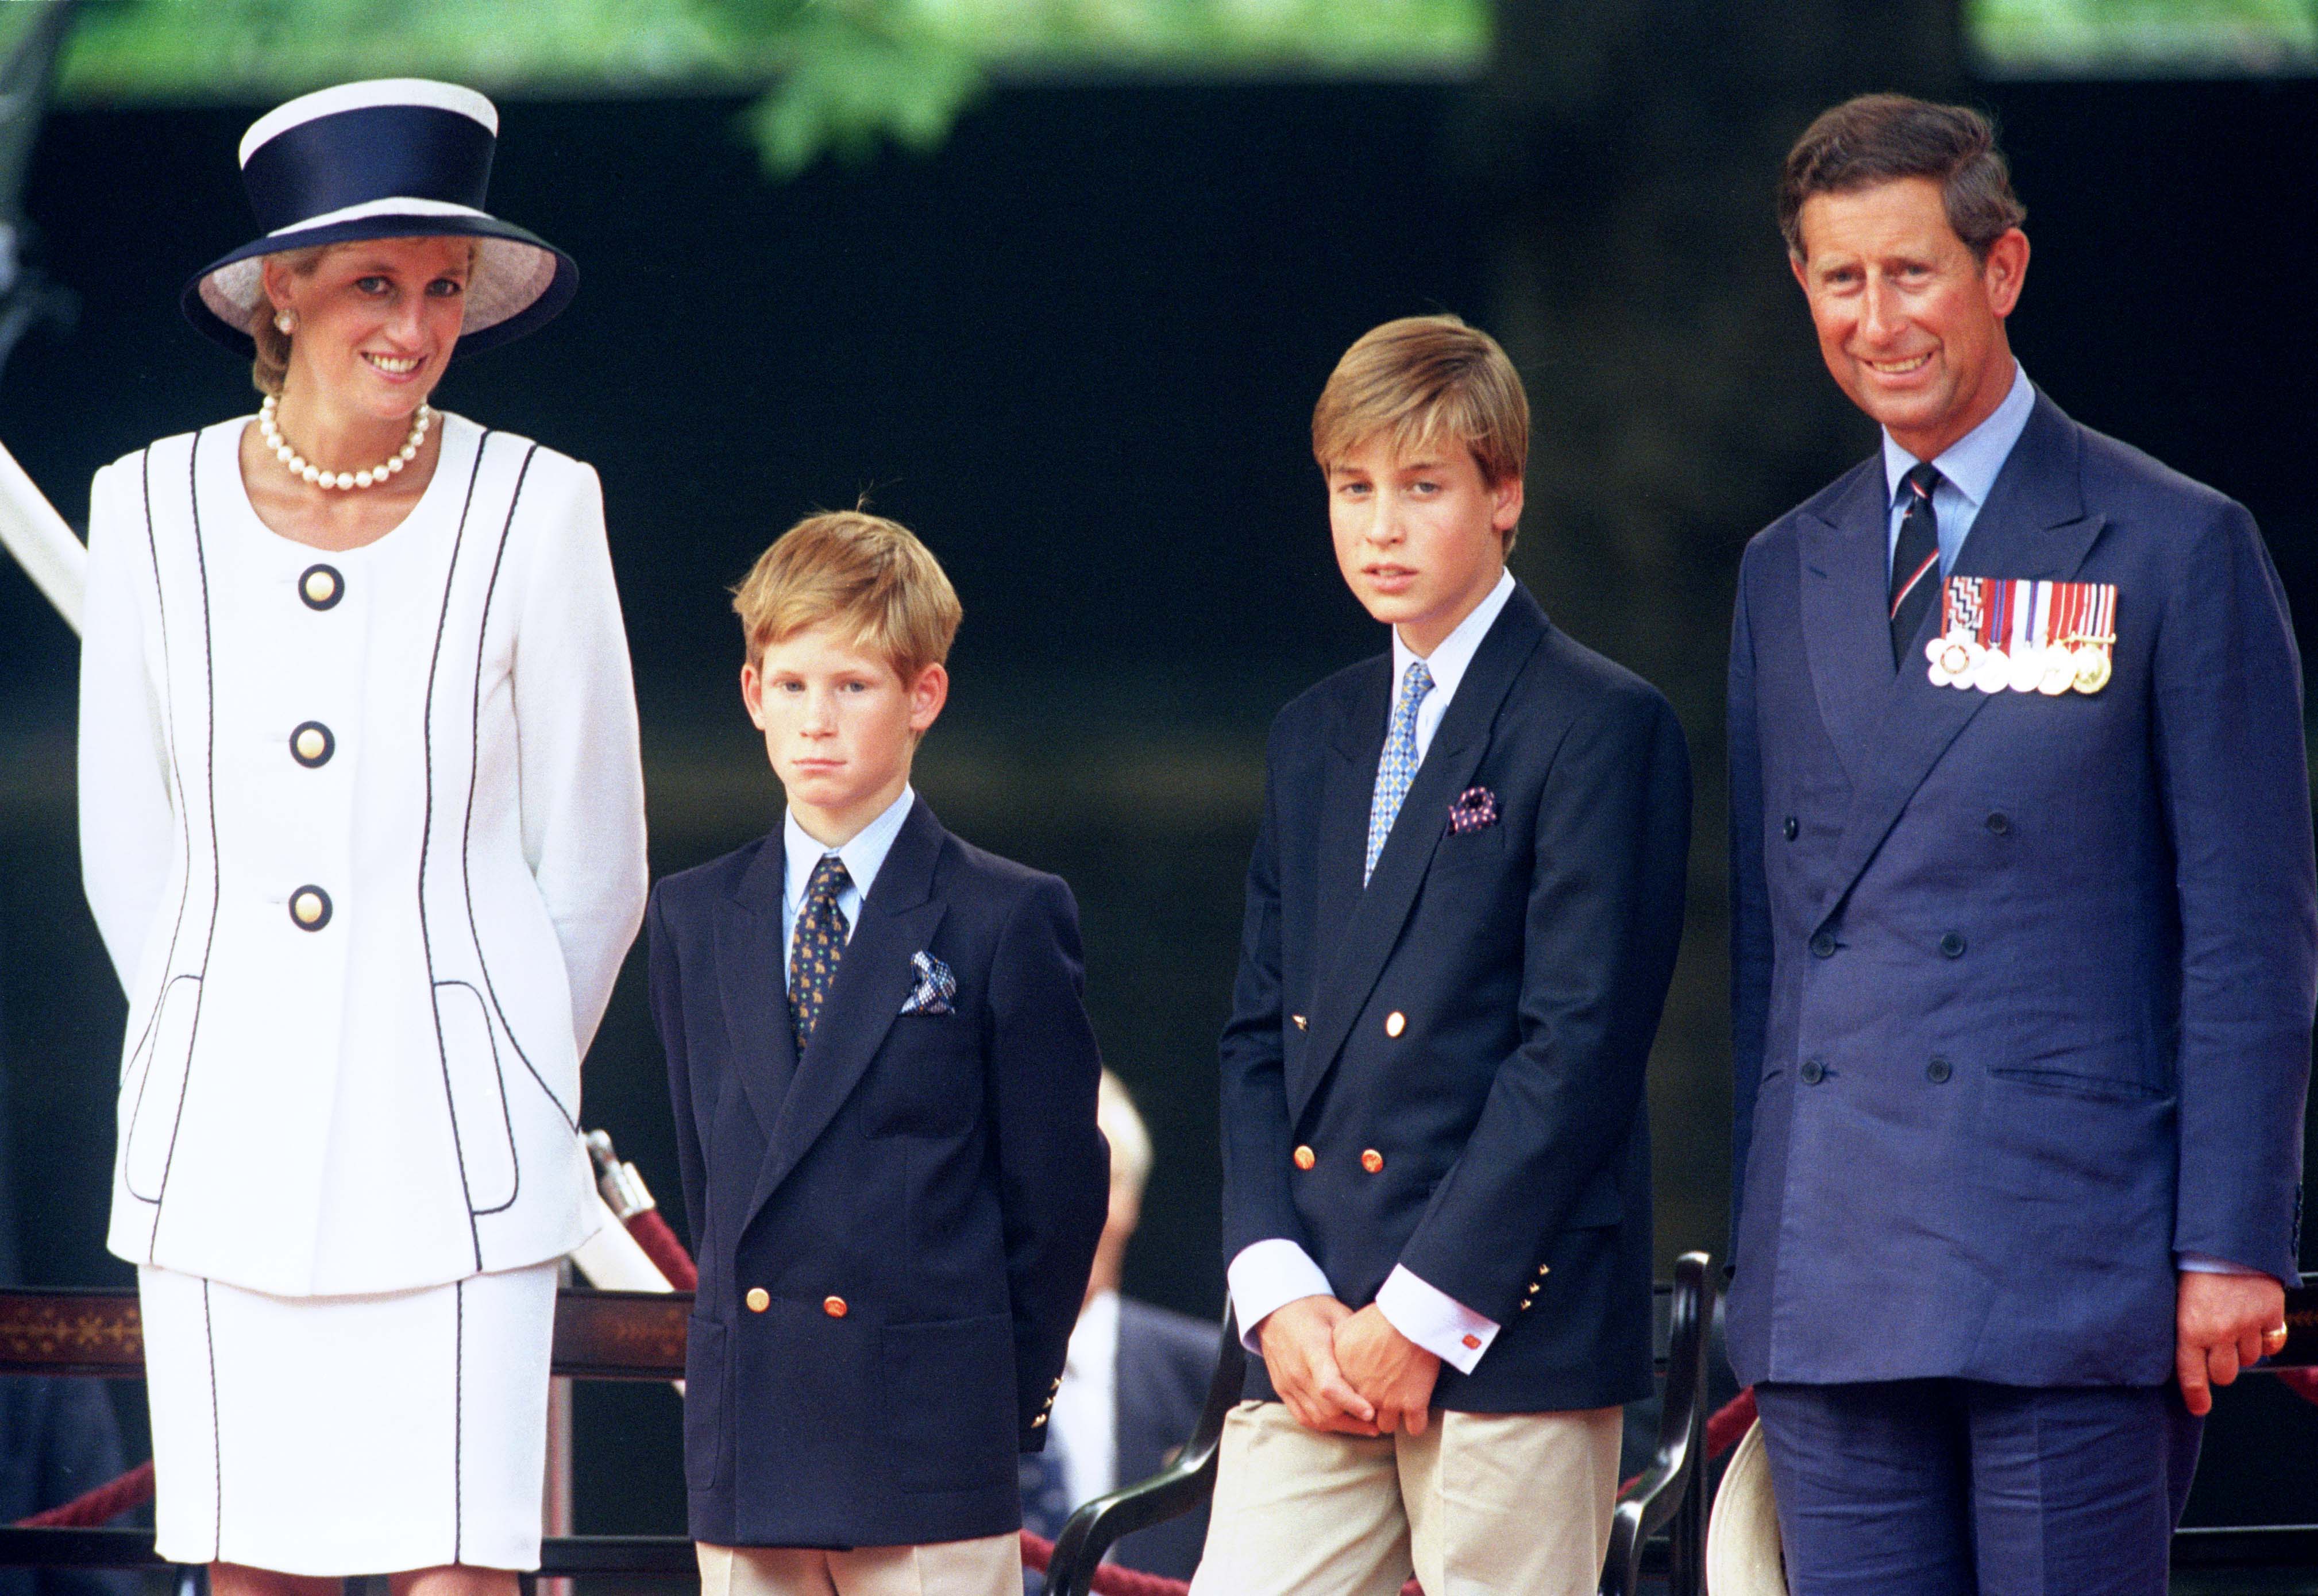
[(2275, 1336)]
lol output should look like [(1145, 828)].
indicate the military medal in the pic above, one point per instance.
[(2000, 635)]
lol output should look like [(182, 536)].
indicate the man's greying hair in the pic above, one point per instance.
[(1882, 138)]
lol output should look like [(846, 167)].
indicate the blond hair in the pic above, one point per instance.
[(868, 576), (1417, 381)]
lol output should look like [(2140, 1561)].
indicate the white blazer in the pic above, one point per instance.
[(363, 834)]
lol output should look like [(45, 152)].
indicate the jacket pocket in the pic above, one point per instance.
[(2096, 1089), (478, 1095), (160, 1088), (704, 1401), (951, 1402)]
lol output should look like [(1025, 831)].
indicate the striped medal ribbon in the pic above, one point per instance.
[(2027, 636)]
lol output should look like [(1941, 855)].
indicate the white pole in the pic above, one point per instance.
[(31, 530)]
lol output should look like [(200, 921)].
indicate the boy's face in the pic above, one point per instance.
[(1420, 540), (840, 727)]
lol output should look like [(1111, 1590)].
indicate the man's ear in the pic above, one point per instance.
[(928, 694), (2006, 270), (753, 695), (1506, 507)]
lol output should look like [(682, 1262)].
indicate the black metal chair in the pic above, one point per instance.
[(1670, 1495)]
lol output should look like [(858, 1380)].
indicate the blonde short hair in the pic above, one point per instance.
[(1418, 380), (869, 575), (1122, 1127)]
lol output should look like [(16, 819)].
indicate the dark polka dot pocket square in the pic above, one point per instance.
[(1475, 808), (936, 986)]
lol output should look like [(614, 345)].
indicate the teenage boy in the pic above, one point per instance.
[(884, 1093), (1461, 919)]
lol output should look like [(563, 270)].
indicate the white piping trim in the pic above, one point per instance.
[(361, 96), (391, 206)]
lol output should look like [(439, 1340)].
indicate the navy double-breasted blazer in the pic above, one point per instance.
[(1477, 1017), (2022, 985), (894, 1231)]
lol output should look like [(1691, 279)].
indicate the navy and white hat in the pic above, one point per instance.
[(393, 157)]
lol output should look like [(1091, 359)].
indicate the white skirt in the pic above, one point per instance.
[(349, 1435)]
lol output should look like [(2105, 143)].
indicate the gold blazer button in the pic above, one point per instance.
[(1372, 1160), (758, 1299), (834, 1306), (1304, 1158), (1395, 1023)]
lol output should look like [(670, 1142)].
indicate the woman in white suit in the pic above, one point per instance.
[(363, 828)]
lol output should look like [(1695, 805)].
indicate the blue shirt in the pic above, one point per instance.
[(1967, 468), (864, 856)]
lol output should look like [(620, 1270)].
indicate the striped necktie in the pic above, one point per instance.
[(817, 945), (1398, 768), (1915, 561)]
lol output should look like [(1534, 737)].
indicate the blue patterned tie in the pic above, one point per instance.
[(818, 945), (1398, 768)]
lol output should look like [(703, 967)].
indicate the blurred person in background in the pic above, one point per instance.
[(1136, 1380)]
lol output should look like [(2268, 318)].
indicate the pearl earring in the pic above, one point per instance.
[(284, 323)]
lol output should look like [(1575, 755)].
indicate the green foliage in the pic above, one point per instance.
[(834, 76), (2078, 36)]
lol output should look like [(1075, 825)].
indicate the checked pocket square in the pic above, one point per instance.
[(934, 987), (1475, 808)]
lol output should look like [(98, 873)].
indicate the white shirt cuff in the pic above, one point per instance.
[(1434, 1319), (2206, 1263), (1267, 1274)]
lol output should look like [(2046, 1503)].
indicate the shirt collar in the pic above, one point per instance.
[(864, 856), (1970, 464), (1448, 660)]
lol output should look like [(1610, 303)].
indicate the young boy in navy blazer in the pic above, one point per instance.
[(1461, 919), (884, 1092)]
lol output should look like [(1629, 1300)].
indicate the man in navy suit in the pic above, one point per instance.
[(884, 1083), (2022, 930), (1462, 911)]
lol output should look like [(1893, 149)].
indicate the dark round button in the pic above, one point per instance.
[(1937, 1072), (1822, 944), (1789, 826), (321, 587), (2001, 824), (1813, 1072), (311, 744), (309, 909), (1952, 944)]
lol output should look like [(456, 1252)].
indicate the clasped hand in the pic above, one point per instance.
[(1347, 1373), (2218, 1326)]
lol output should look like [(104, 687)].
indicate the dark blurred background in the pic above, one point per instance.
[(1072, 336)]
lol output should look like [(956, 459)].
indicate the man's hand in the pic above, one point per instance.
[(1394, 1373), (2218, 1325), (1298, 1342)]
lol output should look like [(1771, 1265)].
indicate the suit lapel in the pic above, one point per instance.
[(753, 986), (1845, 593), (1356, 745), (1374, 925), (2034, 525), (873, 980)]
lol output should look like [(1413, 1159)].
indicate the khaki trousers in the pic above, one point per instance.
[(991, 1565), (1517, 1503)]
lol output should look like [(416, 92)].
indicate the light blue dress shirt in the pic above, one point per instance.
[(864, 856), (1967, 468)]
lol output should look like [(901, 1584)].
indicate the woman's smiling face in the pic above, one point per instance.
[(375, 322)]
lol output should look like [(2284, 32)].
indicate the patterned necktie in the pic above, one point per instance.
[(1915, 561), (1398, 768), (818, 945)]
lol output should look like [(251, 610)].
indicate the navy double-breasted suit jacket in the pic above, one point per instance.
[(894, 1231), (1477, 1017), (2022, 985)]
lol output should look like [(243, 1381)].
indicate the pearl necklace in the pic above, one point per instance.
[(296, 463)]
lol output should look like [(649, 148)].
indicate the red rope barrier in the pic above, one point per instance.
[(661, 1246), (107, 1502)]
